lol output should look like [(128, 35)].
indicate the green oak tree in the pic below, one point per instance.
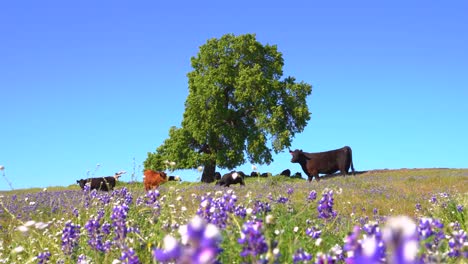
[(238, 108)]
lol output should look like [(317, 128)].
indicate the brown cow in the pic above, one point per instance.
[(327, 162), (153, 179)]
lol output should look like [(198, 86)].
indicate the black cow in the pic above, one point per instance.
[(286, 173), (232, 177), (173, 178), (297, 175), (217, 176), (100, 183), (327, 162)]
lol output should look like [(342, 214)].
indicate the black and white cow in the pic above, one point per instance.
[(232, 177)]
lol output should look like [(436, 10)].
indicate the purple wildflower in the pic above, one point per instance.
[(70, 235), (43, 257), (312, 196), (301, 256), (96, 233), (361, 251), (401, 238), (460, 208), (290, 191), (282, 200), (252, 239), (216, 210), (325, 207), (129, 256), (200, 244), (314, 232), (458, 244), (418, 207), (82, 259), (118, 217)]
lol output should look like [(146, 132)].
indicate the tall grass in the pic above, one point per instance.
[(274, 217)]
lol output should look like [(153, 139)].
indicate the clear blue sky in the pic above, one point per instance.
[(101, 82)]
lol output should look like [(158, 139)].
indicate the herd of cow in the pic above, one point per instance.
[(312, 164)]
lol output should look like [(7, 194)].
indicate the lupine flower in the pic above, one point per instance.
[(401, 237), (216, 210), (129, 256), (312, 196), (460, 208), (325, 207), (119, 216), (458, 244), (43, 257), (96, 233), (83, 259), (70, 235), (282, 199), (252, 239), (418, 207), (301, 256), (314, 232), (199, 244), (361, 251)]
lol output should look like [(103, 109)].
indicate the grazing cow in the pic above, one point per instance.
[(327, 162), (153, 179), (217, 176), (99, 183), (286, 173), (173, 178), (232, 177)]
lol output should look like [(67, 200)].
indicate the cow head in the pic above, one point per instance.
[(163, 175), (82, 183), (295, 155)]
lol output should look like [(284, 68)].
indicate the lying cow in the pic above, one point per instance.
[(327, 162), (173, 178), (99, 183), (153, 179), (232, 177), (286, 172)]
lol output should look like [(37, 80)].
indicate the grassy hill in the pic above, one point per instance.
[(278, 213)]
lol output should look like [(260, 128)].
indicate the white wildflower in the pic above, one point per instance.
[(23, 229), (318, 241), (18, 249), (269, 219), (29, 223), (295, 229)]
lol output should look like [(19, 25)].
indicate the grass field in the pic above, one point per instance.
[(387, 216)]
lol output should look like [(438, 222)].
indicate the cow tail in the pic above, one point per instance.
[(351, 158)]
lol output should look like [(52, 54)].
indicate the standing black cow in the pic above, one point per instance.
[(100, 183), (232, 177), (327, 162)]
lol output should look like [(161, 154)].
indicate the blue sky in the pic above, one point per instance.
[(101, 82)]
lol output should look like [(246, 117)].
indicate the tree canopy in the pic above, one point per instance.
[(238, 108)]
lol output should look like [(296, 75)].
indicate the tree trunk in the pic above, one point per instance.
[(208, 175)]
